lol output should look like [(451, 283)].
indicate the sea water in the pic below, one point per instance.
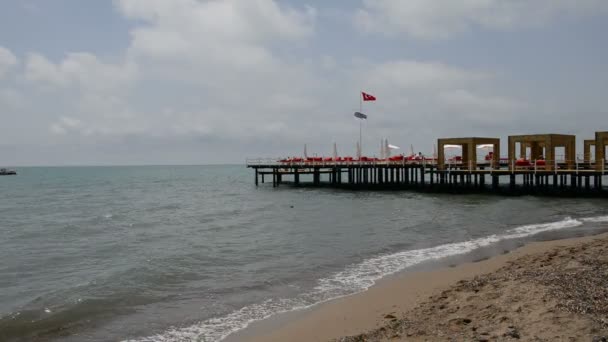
[(194, 253)]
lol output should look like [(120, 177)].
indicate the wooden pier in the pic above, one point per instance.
[(509, 176)]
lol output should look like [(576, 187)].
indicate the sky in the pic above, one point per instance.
[(131, 82)]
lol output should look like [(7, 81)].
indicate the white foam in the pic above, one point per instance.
[(595, 219), (524, 231), (216, 329), (365, 274), (355, 278)]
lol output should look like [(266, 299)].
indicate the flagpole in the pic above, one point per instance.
[(360, 121), (360, 145)]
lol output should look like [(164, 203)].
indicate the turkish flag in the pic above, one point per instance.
[(368, 97)]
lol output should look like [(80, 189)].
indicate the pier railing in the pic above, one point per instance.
[(556, 165), (329, 163)]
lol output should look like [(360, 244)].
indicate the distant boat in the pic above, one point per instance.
[(7, 172)]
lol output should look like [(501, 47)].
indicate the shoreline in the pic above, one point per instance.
[(392, 299)]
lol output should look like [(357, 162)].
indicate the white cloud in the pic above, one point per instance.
[(219, 57), (211, 63), (235, 33), (83, 70), (40, 70), (7, 61), (210, 75), (441, 19), (404, 74), (65, 125), (242, 20), (11, 98), (474, 106), (468, 100), (436, 98)]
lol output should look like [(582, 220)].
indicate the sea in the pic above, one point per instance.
[(195, 253)]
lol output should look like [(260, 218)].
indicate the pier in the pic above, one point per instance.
[(531, 168)]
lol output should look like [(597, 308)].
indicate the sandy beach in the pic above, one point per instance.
[(543, 291)]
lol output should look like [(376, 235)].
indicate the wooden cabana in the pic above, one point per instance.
[(601, 141), (587, 149), (524, 146), (548, 142), (469, 151)]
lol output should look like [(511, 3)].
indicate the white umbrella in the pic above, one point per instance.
[(358, 151), (485, 146), (449, 147), (393, 147), (305, 152), (335, 152)]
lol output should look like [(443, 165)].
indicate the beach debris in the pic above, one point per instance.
[(512, 332)]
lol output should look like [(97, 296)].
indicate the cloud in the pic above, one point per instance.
[(236, 33), (476, 107), (11, 98), (7, 61), (241, 20), (245, 78), (193, 69), (64, 125), (40, 70), (404, 74), (433, 19), (422, 99), (468, 100), (81, 70)]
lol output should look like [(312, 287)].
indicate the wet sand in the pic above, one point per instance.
[(543, 291)]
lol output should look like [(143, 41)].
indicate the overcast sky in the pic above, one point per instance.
[(198, 82)]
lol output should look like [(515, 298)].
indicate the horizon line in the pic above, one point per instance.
[(121, 165)]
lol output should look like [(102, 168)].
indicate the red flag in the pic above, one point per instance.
[(368, 97)]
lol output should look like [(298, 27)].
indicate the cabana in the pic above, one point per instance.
[(469, 151), (587, 149), (548, 142), (601, 140)]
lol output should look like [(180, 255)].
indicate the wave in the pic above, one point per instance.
[(596, 219), (524, 231), (353, 279)]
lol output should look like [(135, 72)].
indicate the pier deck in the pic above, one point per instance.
[(533, 166), (586, 179)]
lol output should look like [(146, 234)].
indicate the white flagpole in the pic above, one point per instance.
[(360, 120), (361, 101), (360, 125)]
